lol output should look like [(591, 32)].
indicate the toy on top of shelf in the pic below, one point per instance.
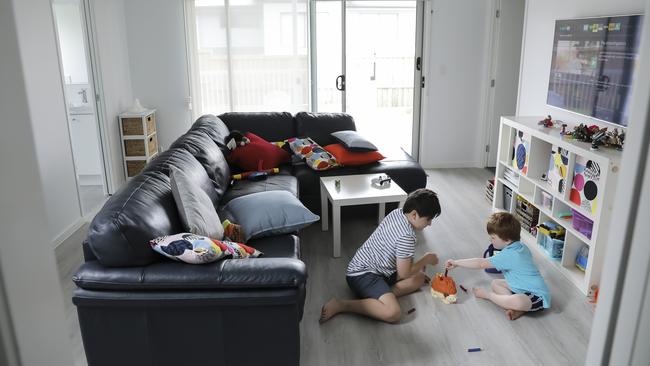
[(563, 132), (443, 286), (489, 252), (546, 122), (598, 138), (615, 139)]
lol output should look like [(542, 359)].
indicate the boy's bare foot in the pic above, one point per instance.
[(480, 293), (514, 314), (331, 308)]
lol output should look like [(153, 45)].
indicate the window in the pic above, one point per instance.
[(249, 55)]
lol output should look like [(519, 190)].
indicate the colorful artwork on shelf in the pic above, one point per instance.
[(521, 151), (557, 169), (586, 184)]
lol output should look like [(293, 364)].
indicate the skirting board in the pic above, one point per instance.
[(468, 164), (90, 180)]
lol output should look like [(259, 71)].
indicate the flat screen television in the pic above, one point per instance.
[(593, 65)]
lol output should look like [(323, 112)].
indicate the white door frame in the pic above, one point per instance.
[(95, 84), (616, 335), (493, 41), (95, 80)]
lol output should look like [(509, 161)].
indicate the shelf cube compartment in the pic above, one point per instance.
[(582, 223), (586, 186), (507, 198), (558, 166), (521, 152), (553, 247), (527, 214)]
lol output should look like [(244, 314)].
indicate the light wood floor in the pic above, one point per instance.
[(435, 334), (439, 334)]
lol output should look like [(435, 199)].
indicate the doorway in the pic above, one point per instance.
[(79, 91), (366, 65), (507, 31)]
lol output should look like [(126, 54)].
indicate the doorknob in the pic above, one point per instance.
[(340, 82)]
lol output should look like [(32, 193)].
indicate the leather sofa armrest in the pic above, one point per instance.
[(228, 274)]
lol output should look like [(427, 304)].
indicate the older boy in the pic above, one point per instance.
[(382, 268), (523, 289)]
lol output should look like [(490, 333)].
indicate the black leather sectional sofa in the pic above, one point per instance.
[(135, 307)]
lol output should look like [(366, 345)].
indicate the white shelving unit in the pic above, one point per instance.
[(589, 184)]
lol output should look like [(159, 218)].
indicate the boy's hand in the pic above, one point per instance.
[(431, 258), (450, 264)]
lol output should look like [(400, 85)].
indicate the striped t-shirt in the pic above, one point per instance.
[(394, 238)]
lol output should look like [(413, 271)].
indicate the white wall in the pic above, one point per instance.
[(451, 127), (44, 87), (156, 41), (111, 36), (36, 166), (538, 48)]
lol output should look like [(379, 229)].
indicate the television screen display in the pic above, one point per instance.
[(593, 64)]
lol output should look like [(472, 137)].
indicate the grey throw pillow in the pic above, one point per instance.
[(268, 213), (353, 141), (194, 206)]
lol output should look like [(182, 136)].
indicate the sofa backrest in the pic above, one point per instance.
[(271, 126), (143, 209), (319, 126), (205, 150), (214, 127)]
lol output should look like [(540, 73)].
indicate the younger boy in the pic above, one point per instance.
[(523, 289), (382, 268)]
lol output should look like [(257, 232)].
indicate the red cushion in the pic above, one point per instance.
[(259, 154), (347, 157)]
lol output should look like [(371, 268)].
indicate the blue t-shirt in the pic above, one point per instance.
[(520, 272)]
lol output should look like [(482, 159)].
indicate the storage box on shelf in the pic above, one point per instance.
[(543, 177), (139, 140), (489, 190), (527, 214)]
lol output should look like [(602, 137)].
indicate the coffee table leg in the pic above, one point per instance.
[(382, 212), (336, 235), (323, 209)]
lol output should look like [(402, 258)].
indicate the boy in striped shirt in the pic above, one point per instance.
[(383, 268)]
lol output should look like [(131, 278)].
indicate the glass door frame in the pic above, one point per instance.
[(418, 79), (91, 53)]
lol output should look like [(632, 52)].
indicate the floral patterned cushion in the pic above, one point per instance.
[(315, 156), (197, 249)]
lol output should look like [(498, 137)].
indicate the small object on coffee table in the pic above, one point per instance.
[(477, 349), (337, 184), (382, 181), (462, 288), (411, 311)]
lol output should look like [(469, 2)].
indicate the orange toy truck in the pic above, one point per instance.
[(444, 287)]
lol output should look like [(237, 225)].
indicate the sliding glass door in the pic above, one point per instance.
[(366, 65), (254, 55)]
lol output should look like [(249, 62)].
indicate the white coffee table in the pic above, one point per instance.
[(355, 190)]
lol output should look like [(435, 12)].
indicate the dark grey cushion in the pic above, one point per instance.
[(268, 213), (353, 141), (194, 206)]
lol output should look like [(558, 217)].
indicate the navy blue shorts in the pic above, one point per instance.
[(538, 303), (371, 285)]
